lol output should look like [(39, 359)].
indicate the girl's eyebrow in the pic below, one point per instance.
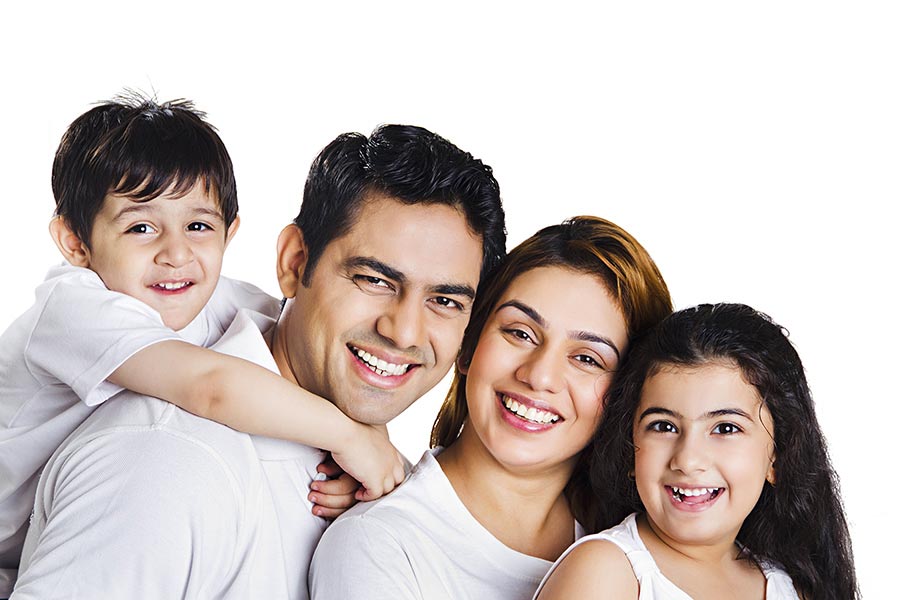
[(585, 336), (713, 414)]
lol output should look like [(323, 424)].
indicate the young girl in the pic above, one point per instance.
[(710, 451)]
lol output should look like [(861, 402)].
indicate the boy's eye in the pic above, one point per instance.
[(662, 427), (726, 428), (198, 226), (141, 228)]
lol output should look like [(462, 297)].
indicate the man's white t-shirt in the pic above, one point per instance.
[(420, 542), (54, 361), (146, 500)]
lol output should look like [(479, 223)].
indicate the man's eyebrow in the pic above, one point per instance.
[(453, 289), (389, 272)]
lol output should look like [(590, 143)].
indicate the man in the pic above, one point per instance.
[(378, 272)]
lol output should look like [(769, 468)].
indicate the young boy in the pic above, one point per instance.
[(146, 204)]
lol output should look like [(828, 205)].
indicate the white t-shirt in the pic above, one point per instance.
[(146, 500), (419, 542), (653, 584), (54, 361)]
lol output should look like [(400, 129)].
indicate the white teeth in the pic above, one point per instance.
[(381, 366), (693, 491), (172, 286), (535, 415)]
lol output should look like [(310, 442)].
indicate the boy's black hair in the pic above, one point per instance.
[(797, 523), (137, 147), (409, 164)]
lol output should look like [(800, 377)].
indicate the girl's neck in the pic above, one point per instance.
[(525, 509), (702, 570)]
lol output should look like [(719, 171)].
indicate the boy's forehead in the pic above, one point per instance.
[(196, 200)]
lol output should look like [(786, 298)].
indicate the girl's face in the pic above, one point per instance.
[(703, 451), (541, 367)]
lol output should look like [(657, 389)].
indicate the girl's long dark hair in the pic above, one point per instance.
[(798, 523)]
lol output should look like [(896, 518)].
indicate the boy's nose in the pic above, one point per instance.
[(175, 251)]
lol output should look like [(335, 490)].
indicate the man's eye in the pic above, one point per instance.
[(371, 281), (141, 228), (662, 427), (445, 302), (726, 428)]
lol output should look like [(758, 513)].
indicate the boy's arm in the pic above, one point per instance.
[(252, 399)]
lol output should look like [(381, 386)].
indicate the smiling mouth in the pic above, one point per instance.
[(172, 286), (379, 366), (535, 415), (694, 495)]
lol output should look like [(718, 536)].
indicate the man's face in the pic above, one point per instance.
[(384, 314)]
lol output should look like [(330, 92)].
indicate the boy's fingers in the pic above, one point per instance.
[(329, 467), (328, 513), (343, 485), (343, 501)]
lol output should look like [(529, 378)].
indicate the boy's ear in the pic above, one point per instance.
[(292, 255), (70, 245), (232, 229)]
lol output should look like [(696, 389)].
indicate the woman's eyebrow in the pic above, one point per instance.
[(585, 336), (531, 312)]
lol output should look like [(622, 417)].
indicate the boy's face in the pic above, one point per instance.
[(166, 252)]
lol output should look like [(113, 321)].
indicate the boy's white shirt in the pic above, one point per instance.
[(54, 361), (146, 500)]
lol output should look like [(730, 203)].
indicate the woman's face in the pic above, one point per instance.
[(541, 367)]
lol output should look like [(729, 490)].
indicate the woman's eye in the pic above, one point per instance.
[(519, 334), (662, 427), (726, 428), (588, 360), (197, 226), (141, 228)]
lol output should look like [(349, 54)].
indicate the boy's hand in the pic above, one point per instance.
[(372, 460), (334, 495)]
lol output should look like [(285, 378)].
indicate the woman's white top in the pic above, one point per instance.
[(652, 583)]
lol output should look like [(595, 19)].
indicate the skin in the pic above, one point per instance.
[(399, 285), (550, 350), (138, 247), (694, 427)]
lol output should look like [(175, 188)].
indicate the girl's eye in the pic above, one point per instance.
[(141, 228), (726, 428), (197, 226), (662, 427)]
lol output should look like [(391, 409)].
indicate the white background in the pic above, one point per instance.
[(752, 148)]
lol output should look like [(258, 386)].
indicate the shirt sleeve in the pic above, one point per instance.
[(358, 557), (232, 295), (133, 515), (85, 332)]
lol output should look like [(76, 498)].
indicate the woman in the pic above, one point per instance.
[(492, 505)]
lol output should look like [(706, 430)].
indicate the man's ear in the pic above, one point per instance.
[(292, 255), (70, 245), (232, 229)]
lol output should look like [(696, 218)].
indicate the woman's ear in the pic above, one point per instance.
[(291, 259), (70, 245)]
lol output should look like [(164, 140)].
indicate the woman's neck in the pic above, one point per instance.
[(523, 508)]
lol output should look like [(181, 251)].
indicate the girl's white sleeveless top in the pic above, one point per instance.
[(653, 584)]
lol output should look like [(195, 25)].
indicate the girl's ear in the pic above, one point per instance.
[(292, 255), (70, 245), (770, 474), (463, 365)]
